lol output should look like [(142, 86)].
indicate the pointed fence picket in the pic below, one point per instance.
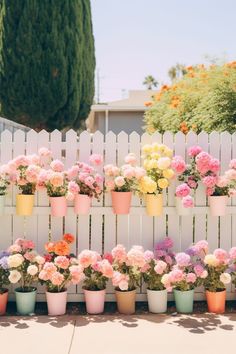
[(101, 230)]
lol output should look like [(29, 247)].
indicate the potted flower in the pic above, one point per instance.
[(163, 251), (122, 181), (157, 163), (56, 184), (4, 184), (216, 280), (85, 183), (127, 276), (59, 270), (152, 272), (24, 266), (97, 272), (4, 274)]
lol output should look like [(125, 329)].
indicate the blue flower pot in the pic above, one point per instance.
[(25, 301), (184, 301)]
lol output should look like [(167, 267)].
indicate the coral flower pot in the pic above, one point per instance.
[(184, 301), (157, 300), (25, 301), (216, 301), (121, 202), (94, 301), (181, 210), (24, 204), (82, 204), (218, 205), (2, 204), (58, 206), (154, 204), (3, 301), (126, 301), (56, 303)]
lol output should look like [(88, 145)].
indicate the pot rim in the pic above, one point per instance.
[(125, 291), (5, 290), (184, 291), (33, 290), (156, 290), (216, 292), (59, 292), (94, 291)]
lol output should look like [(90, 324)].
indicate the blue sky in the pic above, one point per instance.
[(134, 38)]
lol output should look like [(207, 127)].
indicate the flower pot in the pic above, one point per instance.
[(58, 206), (94, 301), (82, 204), (184, 301), (154, 204), (218, 205), (56, 303), (25, 301), (3, 301), (24, 204), (126, 301), (181, 210), (216, 301), (2, 204), (121, 202), (157, 300)]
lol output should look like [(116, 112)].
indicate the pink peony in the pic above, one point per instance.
[(148, 256), (21, 160), (56, 179), (192, 183), (89, 181), (129, 173), (110, 185), (209, 181), (98, 179), (221, 255), (96, 159), (160, 267), (120, 281), (57, 279), (214, 165), (222, 181), (198, 269), (178, 164), (182, 190), (182, 259), (57, 166), (30, 256), (188, 202), (15, 248), (194, 151), (73, 187), (106, 268), (139, 172), (62, 262), (135, 257), (44, 152), (176, 275), (232, 252), (191, 278), (131, 159), (108, 256), (231, 174), (119, 254), (77, 274), (72, 172), (88, 258), (201, 245), (210, 191), (119, 181), (232, 163)]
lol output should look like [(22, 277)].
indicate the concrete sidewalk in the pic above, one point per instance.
[(116, 334)]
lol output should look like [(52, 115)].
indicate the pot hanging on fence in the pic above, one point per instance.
[(184, 301), (2, 204), (218, 205), (82, 204), (24, 204), (58, 206), (216, 301), (154, 204), (56, 303), (95, 301), (25, 301), (181, 210), (126, 301), (121, 202), (3, 301), (157, 300)]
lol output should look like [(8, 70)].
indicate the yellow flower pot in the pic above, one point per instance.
[(154, 204), (24, 204)]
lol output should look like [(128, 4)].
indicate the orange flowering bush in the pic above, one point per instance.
[(204, 99)]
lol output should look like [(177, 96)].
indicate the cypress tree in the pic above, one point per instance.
[(47, 62)]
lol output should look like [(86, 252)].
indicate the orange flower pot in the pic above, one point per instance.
[(3, 302), (121, 202), (126, 301), (216, 301)]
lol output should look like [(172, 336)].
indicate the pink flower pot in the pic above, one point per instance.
[(3, 302), (95, 301), (58, 206), (56, 303), (218, 205), (82, 204), (121, 202)]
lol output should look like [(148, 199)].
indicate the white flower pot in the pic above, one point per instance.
[(218, 205), (181, 210), (157, 300)]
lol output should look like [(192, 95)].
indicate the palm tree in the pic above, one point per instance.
[(150, 82), (177, 71)]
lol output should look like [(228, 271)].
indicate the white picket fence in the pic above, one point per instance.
[(102, 230)]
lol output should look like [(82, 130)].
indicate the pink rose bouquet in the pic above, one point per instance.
[(54, 179)]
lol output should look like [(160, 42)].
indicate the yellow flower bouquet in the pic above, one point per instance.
[(157, 159)]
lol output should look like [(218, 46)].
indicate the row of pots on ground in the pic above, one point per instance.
[(95, 300), (121, 202)]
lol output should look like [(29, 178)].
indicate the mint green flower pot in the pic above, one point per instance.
[(25, 302), (184, 301)]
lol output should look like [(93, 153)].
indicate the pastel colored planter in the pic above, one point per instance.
[(216, 301), (56, 303), (25, 301), (154, 204), (3, 301), (24, 204), (2, 204), (121, 202), (82, 204), (126, 301), (94, 301), (58, 206), (184, 301), (218, 205), (157, 301), (181, 210)]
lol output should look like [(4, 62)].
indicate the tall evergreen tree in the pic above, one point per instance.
[(47, 62)]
